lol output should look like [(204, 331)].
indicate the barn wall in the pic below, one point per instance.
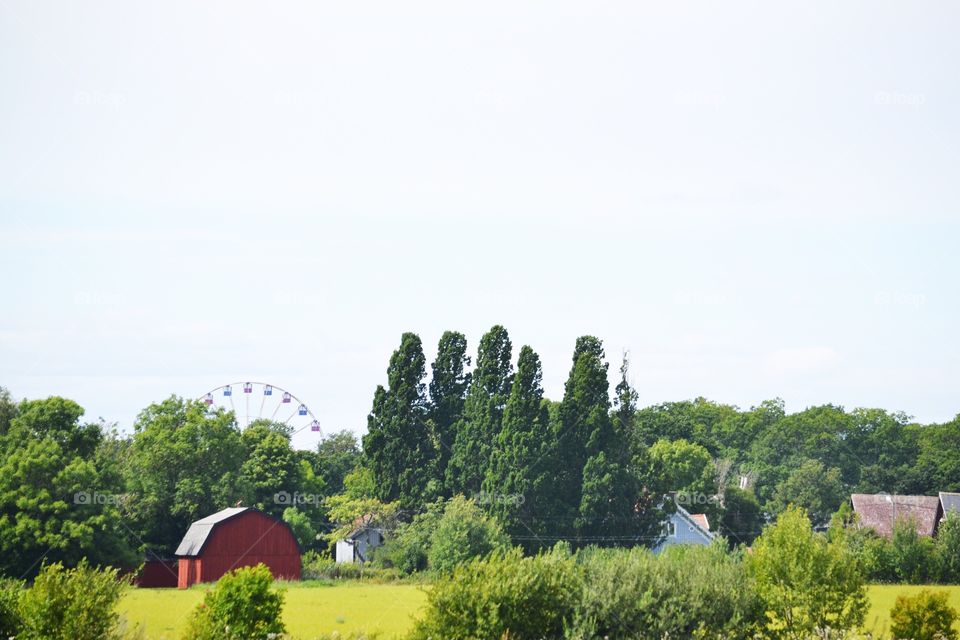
[(189, 571), (158, 573), (243, 541)]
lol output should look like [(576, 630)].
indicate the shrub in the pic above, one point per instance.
[(241, 606), (912, 555), (447, 534), (947, 549), (463, 532), (320, 566), (503, 596), (924, 616), (407, 547), (72, 604), (685, 592), (807, 584), (10, 593)]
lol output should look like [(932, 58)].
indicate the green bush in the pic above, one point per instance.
[(320, 566), (685, 592), (406, 548), (912, 554), (463, 532), (446, 535), (503, 596), (10, 593), (241, 606), (947, 550), (72, 604), (924, 616)]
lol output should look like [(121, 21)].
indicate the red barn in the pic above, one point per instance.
[(233, 538)]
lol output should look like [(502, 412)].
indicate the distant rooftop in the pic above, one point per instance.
[(880, 511)]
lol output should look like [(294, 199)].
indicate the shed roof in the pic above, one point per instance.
[(950, 502), (199, 532), (880, 511)]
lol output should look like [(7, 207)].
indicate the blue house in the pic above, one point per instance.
[(684, 527)]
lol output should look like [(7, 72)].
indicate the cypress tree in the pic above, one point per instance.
[(522, 465), (598, 492), (398, 444), (448, 390), (482, 413)]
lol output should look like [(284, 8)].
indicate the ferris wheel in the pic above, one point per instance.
[(252, 401)]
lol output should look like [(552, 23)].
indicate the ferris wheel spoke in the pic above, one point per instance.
[(301, 419)]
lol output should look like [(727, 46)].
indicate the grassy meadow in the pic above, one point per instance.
[(314, 609), (883, 596), (311, 609)]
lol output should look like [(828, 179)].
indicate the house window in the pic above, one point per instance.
[(670, 528)]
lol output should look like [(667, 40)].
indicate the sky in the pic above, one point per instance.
[(753, 199)]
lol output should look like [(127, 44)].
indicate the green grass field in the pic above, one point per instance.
[(882, 598), (313, 609)]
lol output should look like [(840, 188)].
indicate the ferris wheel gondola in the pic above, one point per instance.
[(260, 403)]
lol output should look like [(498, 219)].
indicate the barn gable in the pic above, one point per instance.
[(199, 532)]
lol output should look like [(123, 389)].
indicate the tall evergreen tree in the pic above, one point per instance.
[(598, 491), (398, 444), (624, 404), (448, 391), (482, 413), (522, 462)]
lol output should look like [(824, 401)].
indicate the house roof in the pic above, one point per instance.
[(949, 502), (880, 511), (701, 519), (693, 519)]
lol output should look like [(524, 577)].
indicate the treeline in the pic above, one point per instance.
[(589, 468), (548, 470), (71, 489), (593, 467)]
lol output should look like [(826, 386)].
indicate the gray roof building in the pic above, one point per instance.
[(881, 510)]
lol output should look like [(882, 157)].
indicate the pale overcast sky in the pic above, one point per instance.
[(755, 199)]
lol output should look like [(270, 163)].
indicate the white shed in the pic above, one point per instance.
[(356, 547)]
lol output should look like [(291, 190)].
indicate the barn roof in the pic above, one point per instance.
[(879, 511), (200, 531), (950, 502)]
